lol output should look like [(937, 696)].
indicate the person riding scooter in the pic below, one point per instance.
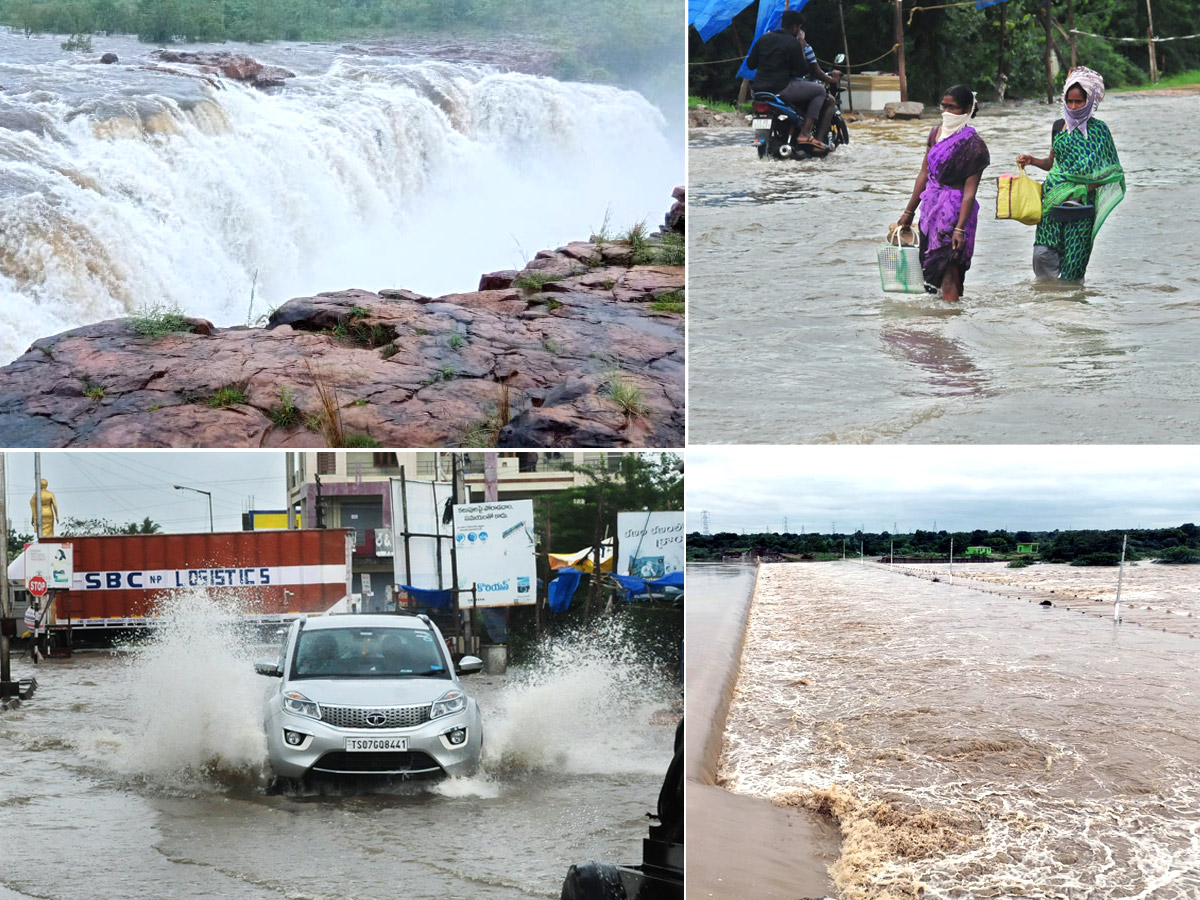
[(781, 59)]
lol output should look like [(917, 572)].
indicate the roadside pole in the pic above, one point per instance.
[(8, 687)]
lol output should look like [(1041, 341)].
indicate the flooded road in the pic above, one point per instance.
[(738, 846), (142, 774), (784, 290), (970, 746)]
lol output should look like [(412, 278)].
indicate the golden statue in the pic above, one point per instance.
[(49, 510)]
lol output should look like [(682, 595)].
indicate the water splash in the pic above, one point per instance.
[(195, 699), (587, 704), (376, 173)]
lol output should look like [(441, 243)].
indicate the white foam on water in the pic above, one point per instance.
[(195, 702), (375, 174)]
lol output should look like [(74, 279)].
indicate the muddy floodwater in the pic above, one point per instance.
[(784, 291), (142, 774), (971, 745)]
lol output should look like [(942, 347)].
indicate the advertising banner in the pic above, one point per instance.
[(496, 552), (650, 544), (55, 563), (429, 554)]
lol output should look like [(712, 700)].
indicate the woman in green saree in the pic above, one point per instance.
[(1085, 183)]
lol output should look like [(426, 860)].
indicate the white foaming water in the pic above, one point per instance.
[(194, 700), (587, 706), (155, 189)]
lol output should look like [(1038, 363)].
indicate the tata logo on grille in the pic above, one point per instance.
[(376, 720)]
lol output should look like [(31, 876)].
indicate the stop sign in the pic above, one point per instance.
[(37, 585)]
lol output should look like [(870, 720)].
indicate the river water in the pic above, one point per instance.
[(140, 773), (971, 746), (784, 291), (123, 188), (737, 846)]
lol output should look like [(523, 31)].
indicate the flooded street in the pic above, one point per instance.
[(970, 746), (785, 291), (143, 773)]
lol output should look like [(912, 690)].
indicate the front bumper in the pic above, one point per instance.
[(323, 751)]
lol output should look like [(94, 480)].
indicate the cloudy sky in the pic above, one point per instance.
[(958, 488), (127, 487)]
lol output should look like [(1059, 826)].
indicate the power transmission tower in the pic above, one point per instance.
[(704, 521)]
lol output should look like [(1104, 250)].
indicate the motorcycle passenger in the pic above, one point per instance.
[(781, 59)]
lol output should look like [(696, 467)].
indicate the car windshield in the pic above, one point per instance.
[(368, 653)]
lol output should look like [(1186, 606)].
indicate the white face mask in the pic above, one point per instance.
[(952, 124)]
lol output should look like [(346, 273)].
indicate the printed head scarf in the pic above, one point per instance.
[(1092, 84)]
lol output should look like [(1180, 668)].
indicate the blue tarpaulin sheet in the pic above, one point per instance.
[(433, 599), (634, 585), (711, 17), (560, 591), (984, 4)]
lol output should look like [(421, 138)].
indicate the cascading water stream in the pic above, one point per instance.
[(123, 187)]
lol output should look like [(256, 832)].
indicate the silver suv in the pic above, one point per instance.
[(370, 695)]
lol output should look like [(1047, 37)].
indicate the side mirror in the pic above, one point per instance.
[(469, 665), (268, 667)]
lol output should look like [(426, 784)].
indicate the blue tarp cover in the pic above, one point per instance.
[(434, 599), (711, 17), (560, 591), (634, 585)]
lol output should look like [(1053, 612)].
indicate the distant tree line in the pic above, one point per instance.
[(964, 45), (601, 38), (1169, 545)]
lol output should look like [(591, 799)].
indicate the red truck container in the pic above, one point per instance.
[(279, 575)]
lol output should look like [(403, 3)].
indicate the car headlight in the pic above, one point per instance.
[(295, 702), (450, 702)]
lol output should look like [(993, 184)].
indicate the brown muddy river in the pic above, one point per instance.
[(141, 773), (784, 291), (973, 745)]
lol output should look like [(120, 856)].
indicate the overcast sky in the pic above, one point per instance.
[(959, 488), (128, 486)]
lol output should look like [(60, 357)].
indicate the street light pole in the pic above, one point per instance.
[(180, 487)]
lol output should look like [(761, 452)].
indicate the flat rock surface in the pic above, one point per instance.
[(582, 348)]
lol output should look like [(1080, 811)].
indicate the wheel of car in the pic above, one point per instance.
[(593, 881)]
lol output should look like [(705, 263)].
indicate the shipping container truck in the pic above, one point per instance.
[(278, 575)]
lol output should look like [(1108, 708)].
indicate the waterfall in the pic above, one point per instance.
[(122, 187)]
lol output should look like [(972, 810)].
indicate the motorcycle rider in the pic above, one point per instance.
[(781, 59)]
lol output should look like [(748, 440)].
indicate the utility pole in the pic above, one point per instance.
[(8, 688), (1049, 73), (1150, 42), (1120, 574), (37, 486), (899, 38), (594, 584), (289, 465)]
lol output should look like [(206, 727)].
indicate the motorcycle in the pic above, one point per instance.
[(775, 123)]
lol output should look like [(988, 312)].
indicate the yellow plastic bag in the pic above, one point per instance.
[(1019, 197)]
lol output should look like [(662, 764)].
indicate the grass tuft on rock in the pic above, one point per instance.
[(157, 321), (230, 395)]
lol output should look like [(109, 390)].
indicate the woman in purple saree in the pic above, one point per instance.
[(954, 162)]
